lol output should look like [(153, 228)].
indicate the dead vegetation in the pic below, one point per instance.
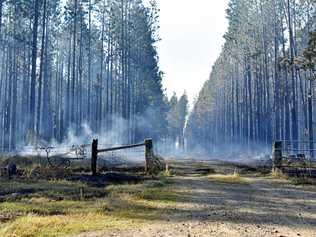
[(229, 179), (196, 198), (44, 201), (55, 208)]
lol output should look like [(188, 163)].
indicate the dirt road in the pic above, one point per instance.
[(261, 207)]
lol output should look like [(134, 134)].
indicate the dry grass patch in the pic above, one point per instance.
[(15, 190), (156, 191), (278, 174), (62, 225), (229, 178), (125, 206)]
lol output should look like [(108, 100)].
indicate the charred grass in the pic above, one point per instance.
[(125, 206), (60, 207), (51, 207)]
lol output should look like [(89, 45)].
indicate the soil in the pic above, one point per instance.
[(264, 207), (102, 180)]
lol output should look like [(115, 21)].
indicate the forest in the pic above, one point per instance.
[(68, 68), (262, 86), (71, 66), (94, 142)]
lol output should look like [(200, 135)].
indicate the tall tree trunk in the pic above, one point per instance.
[(73, 82), (276, 79), (14, 104), (14, 88), (68, 99), (89, 66), (310, 119), (8, 120), (40, 78), (1, 7), (287, 135), (33, 73), (80, 103), (100, 94), (293, 79), (46, 119)]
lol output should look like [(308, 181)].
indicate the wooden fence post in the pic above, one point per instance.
[(94, 157), (277, 155), (149, 153)]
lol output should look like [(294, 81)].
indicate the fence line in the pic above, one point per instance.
[(285, 157), (148, 144), (59, 154)]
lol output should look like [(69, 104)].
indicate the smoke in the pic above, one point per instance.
[(232, 152), (74, 142), (149, 125)]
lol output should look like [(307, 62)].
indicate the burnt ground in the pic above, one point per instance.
[(103, 180), (258, 205), (197, 198)]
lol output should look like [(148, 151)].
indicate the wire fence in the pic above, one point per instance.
[(299, 149), (296, 157), (63, 155), (127, 156)]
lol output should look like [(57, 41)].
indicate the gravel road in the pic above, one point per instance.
[(264, 207)]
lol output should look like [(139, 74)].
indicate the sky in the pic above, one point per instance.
[(191, 35)]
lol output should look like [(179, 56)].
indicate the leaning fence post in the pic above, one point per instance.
[(94, 157), (277, 155), (148, 154)]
